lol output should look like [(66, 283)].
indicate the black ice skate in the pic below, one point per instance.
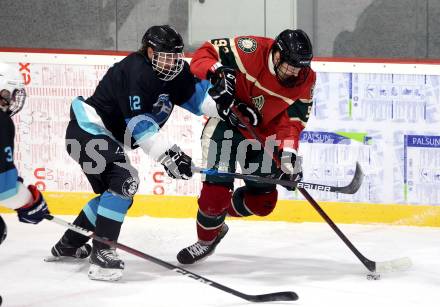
[(105, 264), (64, 250), (199, 251)]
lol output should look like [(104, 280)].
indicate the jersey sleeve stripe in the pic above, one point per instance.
[(223, 47), (142, 126), (8, 183), (88, 119), (195, 103)]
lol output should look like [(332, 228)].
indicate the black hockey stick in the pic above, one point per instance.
[(269, 297), (372, 266), (351, 188)]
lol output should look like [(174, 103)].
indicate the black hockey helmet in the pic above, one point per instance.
[(295, 49), (163, 39), (167, 46)]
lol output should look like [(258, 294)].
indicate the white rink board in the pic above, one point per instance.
[(382, 104)]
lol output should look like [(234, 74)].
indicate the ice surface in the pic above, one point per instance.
[(254, 258)]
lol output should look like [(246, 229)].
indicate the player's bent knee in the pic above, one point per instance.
[(262, 204), (248, 202), (214, 199)]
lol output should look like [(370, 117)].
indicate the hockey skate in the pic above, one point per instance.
[(105, 264), (64, 250), (199, 251)]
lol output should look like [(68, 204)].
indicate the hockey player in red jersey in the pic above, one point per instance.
[(270, 82), (28, 202)]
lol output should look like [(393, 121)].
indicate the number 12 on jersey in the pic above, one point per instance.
[(135, 102)]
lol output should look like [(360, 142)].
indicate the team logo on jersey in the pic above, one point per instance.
[(258, 102), (130, 187), (162, 109), (247, 44)]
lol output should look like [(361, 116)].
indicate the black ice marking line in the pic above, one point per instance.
[(259, 298)]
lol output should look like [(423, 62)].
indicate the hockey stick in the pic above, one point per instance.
[(351, 188), (269, 297), (373, 266)]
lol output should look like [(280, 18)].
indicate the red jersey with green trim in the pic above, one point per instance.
[(284, 110)]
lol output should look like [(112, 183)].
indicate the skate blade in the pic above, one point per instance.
[(98, 273), (52, 258)]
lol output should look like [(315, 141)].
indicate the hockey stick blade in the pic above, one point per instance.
[(355, 183), (272, 297), (372, 266), (400, 264), (269, 297), (351, 188)]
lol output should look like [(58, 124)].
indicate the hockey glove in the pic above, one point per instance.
[(250, 114), (176, 163), (35, 211), (220, 72), (291, 168), (223, 89)]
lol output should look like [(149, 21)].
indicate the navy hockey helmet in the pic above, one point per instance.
[(12, 92), (163, 39), (167, 45), (295, 49)]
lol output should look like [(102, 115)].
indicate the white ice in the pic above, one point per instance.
[(254, 258)]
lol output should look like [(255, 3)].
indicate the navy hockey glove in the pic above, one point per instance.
[(35, 211), (291, 168), (250, 114), (176, 163)]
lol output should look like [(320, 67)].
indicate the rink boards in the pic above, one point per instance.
[(384, 114)]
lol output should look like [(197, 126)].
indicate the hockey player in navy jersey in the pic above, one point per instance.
[(28, 202), (129, 106)]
